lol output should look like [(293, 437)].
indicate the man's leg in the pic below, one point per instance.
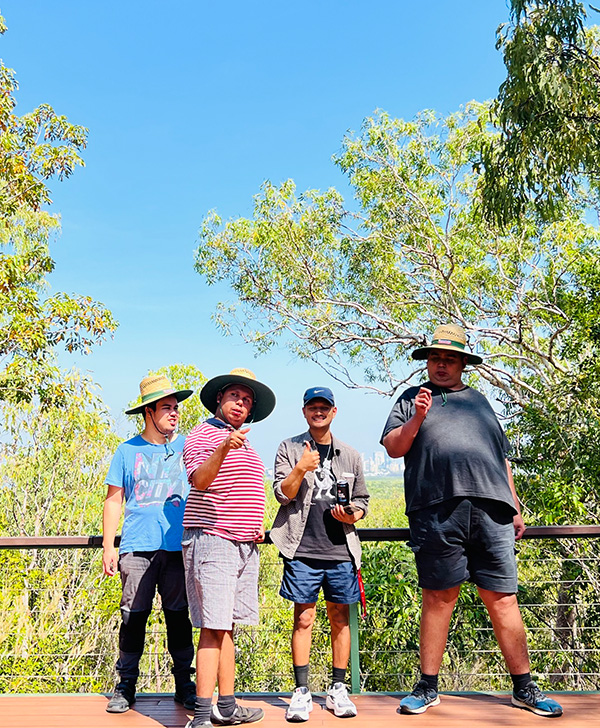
[(171, 587), (436, 611), (138, 578), (339, 619), (337, 696), (208, 661), (509, 630), (300, 705), (304, 618)]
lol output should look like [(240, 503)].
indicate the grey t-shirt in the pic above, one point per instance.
[(323, 537), (459, 451)]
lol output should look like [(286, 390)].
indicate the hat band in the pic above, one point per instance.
[(448, 342), (157, 394)]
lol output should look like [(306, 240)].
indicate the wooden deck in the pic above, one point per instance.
[(582, 710)]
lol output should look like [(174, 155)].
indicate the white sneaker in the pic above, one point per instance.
[(338, 701), (300, 706)]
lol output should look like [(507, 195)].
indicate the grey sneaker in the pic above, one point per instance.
[(240, 715), (191, 724), (123, 697), (421, 698), (300, 706), (532, 698), (338, 701)]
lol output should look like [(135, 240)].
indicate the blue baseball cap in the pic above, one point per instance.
[(319, 393)]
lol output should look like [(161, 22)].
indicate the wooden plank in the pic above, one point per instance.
[(582, 710)]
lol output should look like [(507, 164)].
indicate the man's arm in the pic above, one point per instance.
[(205, 473), (399, 440), (110, 522), (518, 523)]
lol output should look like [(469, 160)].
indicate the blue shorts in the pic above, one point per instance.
[(302, 579), (465, 539)]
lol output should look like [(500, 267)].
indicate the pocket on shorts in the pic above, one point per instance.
[(187, 537)]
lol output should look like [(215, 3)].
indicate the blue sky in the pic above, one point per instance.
[(191, 106)]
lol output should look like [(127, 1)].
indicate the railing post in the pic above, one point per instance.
[(354, 653)]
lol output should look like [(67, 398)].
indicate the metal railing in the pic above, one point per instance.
[(59, 620)]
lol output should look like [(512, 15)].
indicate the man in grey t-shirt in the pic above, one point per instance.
[(463, 514)]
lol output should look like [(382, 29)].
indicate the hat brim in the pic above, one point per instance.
[(264, 398), (421, 353), (179, 395)]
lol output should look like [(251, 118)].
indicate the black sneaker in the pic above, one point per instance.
[(240, 715), (123, 697), (532, 698), (421, 698), (185, 693)]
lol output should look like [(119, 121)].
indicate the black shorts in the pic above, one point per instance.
[(465, 539)]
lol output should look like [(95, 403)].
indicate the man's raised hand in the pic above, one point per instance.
[(423, 402), (310, 458), (237, 438)]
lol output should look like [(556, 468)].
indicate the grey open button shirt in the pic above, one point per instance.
[(291, 518)]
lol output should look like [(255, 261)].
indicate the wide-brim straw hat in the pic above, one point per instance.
[(155, 387), (264, 398), (448, 337)]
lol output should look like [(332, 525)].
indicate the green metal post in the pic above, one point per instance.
[(354, 655)]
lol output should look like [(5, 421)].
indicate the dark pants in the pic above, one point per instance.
[(142, 573)]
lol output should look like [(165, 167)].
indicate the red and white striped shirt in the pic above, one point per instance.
[(233, 505)]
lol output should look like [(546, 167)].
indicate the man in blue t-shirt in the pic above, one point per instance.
[(147, 473)]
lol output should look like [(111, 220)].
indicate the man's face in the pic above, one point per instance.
[(235, 404), (445, 368), (319, 413), (166, 414)]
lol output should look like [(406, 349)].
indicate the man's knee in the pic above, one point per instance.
[(498, 601), (339, 615), (212, 638), (440, 598), (132, 633), (304, 616), (179, 628)]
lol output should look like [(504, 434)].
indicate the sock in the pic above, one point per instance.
[(226, 705), (202, 711), (338, 674), (301, 676), (520, 681), (431, 680)]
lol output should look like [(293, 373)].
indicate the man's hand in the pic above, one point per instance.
[(110, 561), (340, 514), (236, 439), (423, 402), (260, 538), (310, 458), (519, 526)]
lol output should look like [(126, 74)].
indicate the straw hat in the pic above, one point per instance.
[(448, 337), (155, 387), (264, 399)]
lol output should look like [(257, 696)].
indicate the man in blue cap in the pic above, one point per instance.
[(320, 485)]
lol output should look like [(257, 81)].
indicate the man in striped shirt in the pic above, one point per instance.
[(223, 522)]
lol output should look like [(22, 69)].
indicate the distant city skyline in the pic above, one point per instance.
[(377, 464)]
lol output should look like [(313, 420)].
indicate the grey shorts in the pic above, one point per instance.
[(221, 580), (465, 539), (143, 572)]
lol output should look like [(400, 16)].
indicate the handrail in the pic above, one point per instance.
[(365, 534)]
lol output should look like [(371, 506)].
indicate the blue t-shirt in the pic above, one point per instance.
[(156, 489)]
